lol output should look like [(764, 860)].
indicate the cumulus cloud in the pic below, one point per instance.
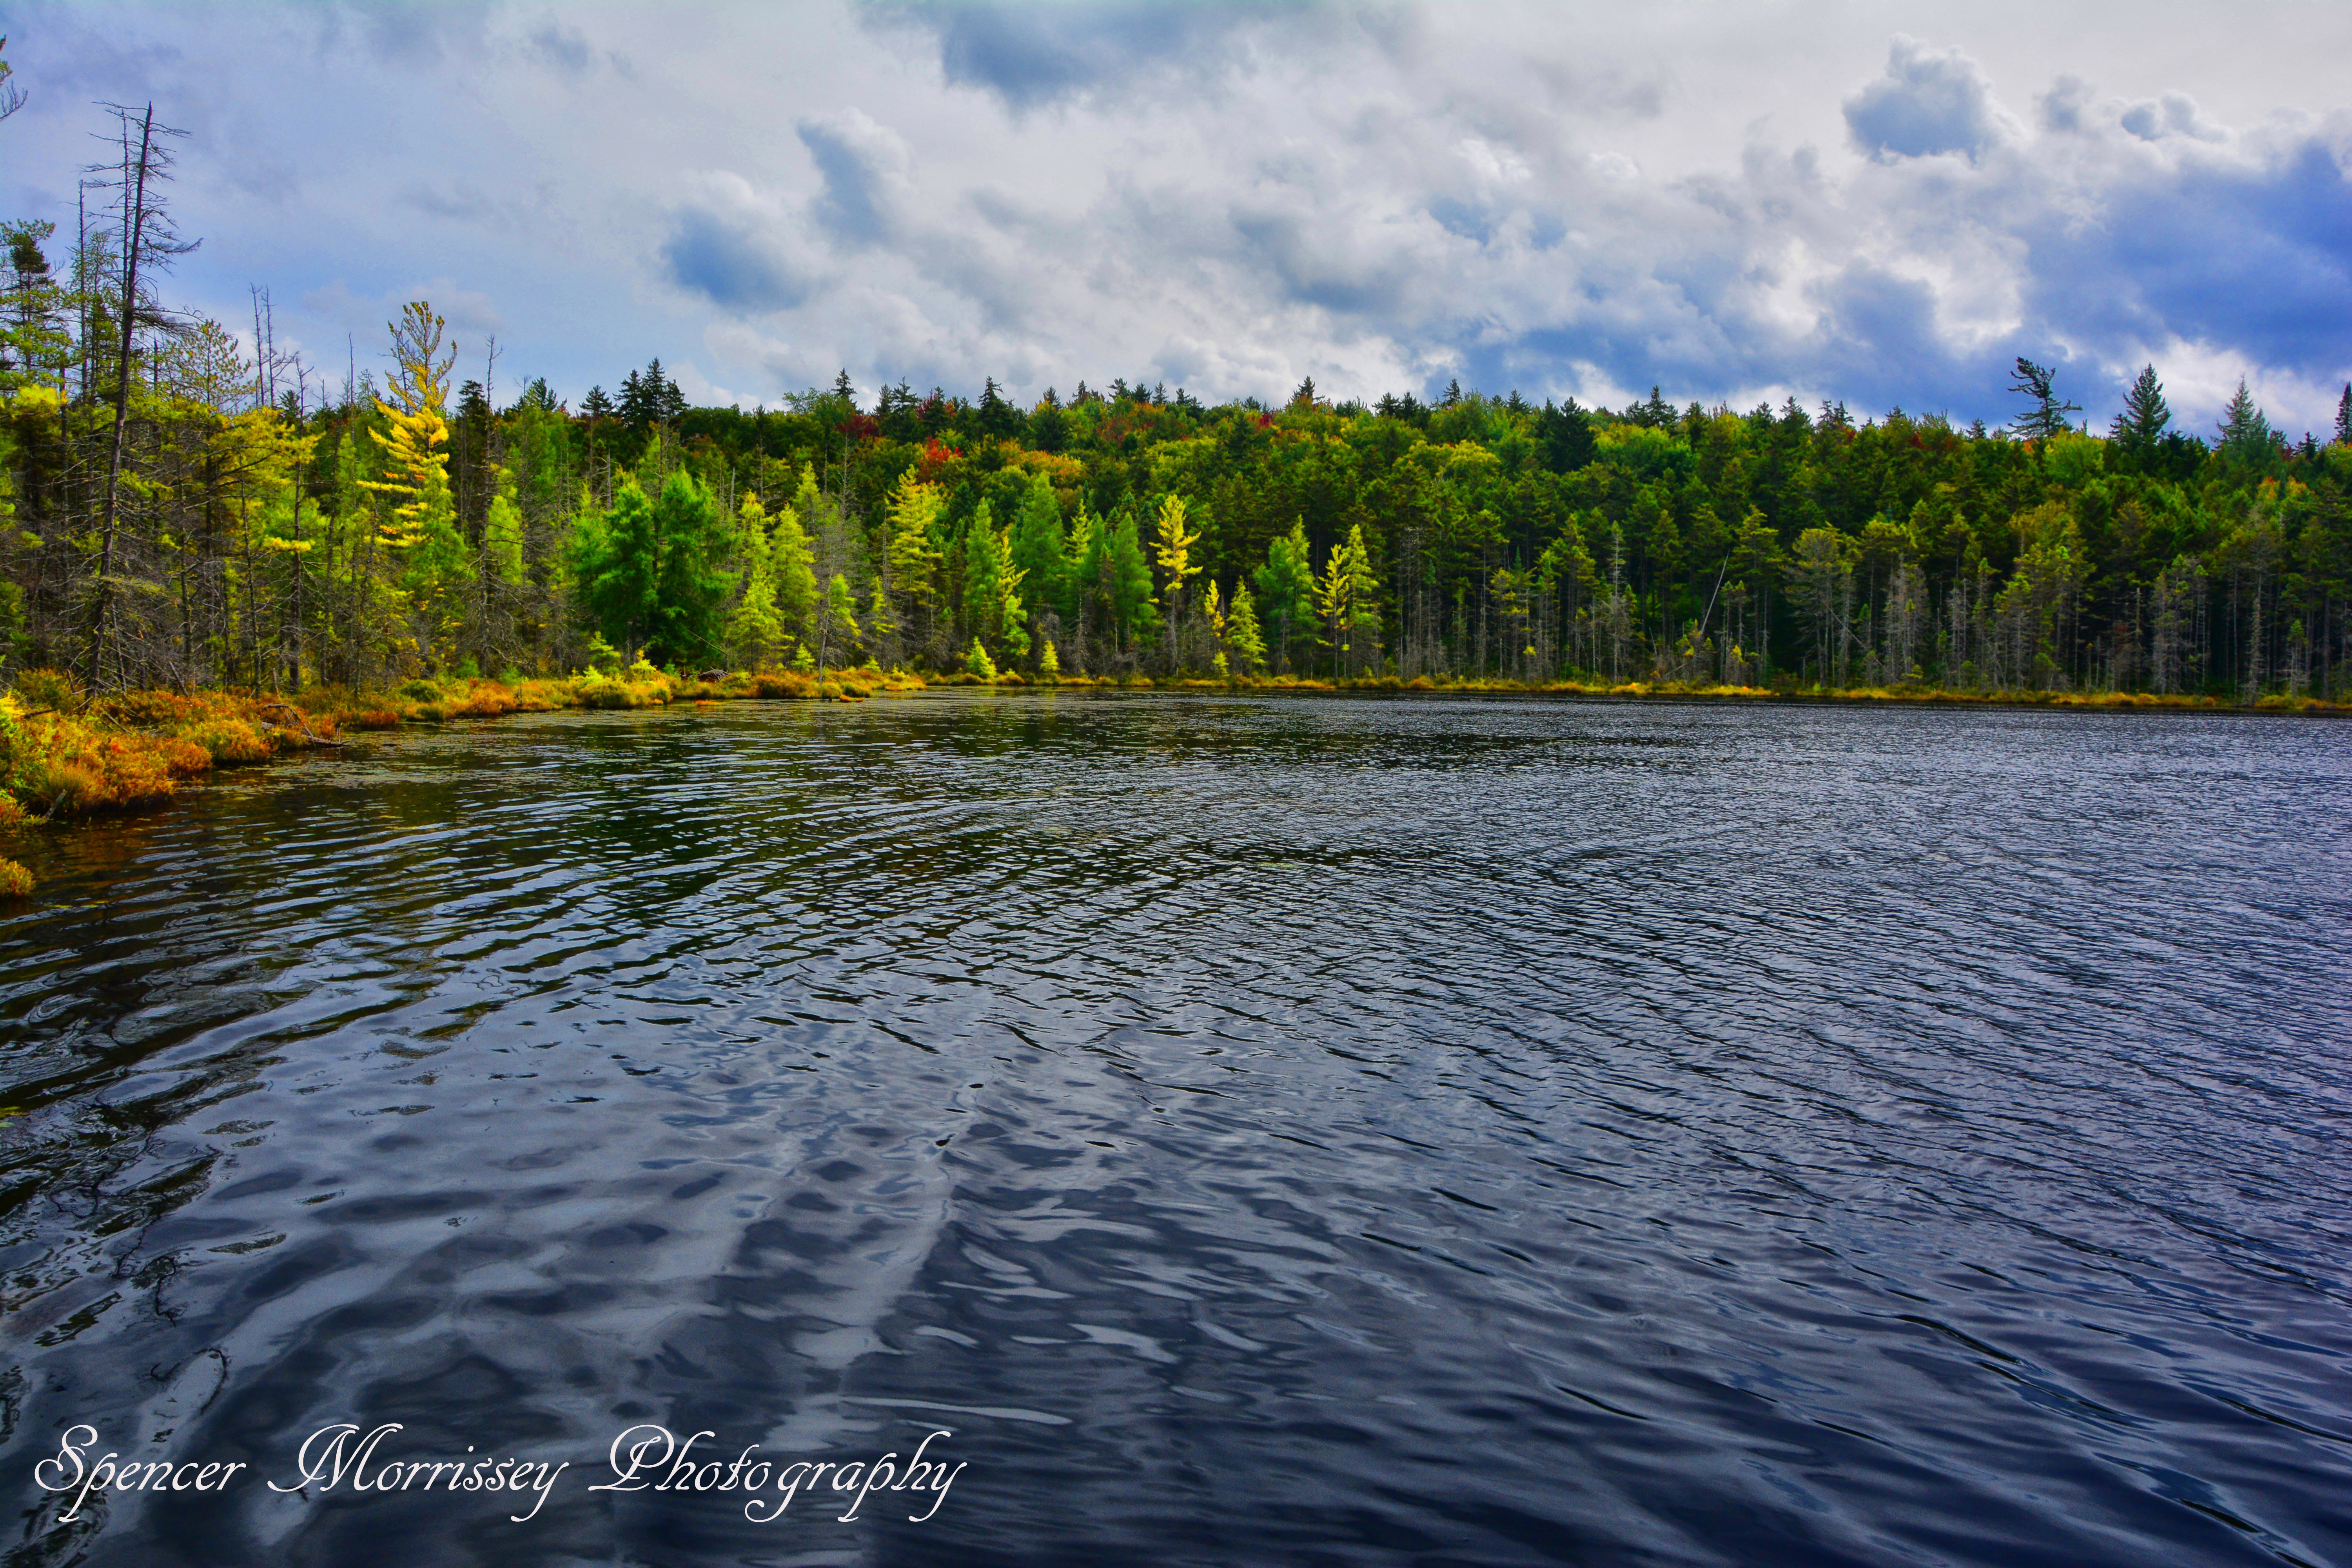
[(2175, 115), (864, 168), (732, 248), (1930, 100), (1031, 54)]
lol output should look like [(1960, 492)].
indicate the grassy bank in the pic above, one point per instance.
[(1912, 696), (61, 756)]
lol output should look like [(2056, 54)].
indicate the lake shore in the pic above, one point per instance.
[(61, 757)]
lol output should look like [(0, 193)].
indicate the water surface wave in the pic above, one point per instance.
[(1263, 1130)]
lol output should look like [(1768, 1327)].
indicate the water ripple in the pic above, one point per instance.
[(1263, 1130)]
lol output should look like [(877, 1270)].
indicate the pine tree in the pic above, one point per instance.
[(1133, 610), (1331, 593), (2247, 438), (1242, 632), (1081, 573), (1038, 547), (619, 568), (792, 560), (837, 631), (913, 554), (2047, 418), (755, 631), (502, 534), (2145, 415), (2343, 417), (1172, 547), (1363, 615), (1286, 583), (690, 589), (984, 586)]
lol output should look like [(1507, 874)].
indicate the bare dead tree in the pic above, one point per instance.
[(12, 97), (149, 242)]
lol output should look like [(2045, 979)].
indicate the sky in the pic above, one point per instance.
[(1882, 203)]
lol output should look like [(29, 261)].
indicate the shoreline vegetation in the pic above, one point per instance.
[(63, 756), (211, 552)]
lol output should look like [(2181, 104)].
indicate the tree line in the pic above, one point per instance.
[(184, 505)]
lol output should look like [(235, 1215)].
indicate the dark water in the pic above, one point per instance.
[(1258, 1132)]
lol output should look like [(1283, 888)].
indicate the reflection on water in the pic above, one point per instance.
[(1261, 1131)]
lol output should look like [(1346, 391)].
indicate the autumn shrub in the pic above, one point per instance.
[(183, 759), (418, 691), (483, 699), (540, 695), (784, 683), (229, 741), (16, 883), (603, 691), (377, 718), (98, 774), (51, 688), (12, 815)]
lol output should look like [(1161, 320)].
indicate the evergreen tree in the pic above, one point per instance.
[(1037, 546), (619, 568), (2047, 418), (1128, 585), (1286, 585), (1242, 632), (690, 590), (2344, 416), (983, 586), (2142, 423), (1362, 625), (837, 634), (914, 553), (755, 631), (2248, 442), (792, 560)]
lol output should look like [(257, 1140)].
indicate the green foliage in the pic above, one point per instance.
[(1243, 635), (1038, 547), (1126, 583), (1478, 536), (1286, 585), (690, 590), (620, 567)]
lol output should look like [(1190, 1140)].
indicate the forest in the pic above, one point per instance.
[(184, 506)]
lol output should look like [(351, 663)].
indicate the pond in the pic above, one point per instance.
[(1231, 1130)]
